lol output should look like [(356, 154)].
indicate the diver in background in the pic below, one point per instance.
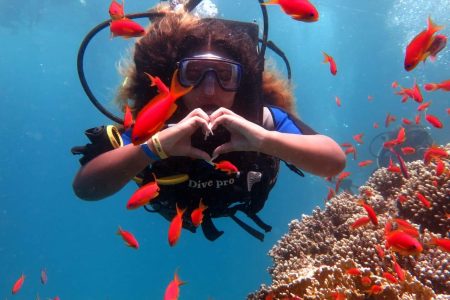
[(219, 59)]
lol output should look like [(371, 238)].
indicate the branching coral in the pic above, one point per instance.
[(313, 259)]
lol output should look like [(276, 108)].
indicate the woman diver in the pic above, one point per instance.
[(250, 113)]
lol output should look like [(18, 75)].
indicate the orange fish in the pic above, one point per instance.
[(44, 276), (423, 106), (173, 288), (439, 43), (398, 269), (143, 195), (300, 10), (360, 222), (358, 138), (417, 49), (389, 119), (444, 85), (330, 59), (128, 238), (406, 227), (370, 212), (391, 278), (116, 10), (175, 226), (18, 284), (128, 118), (442, 243), (423, 199), (406, 121), (434, 152), (408, 150), (226, 167), (338, 101), (433, 120), (417, 119), (365, 280), (353, 271), (197, 214), (126, 28), (365, 163), (403, 243), (157, 111)]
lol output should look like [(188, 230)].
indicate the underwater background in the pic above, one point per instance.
[(44, 112)]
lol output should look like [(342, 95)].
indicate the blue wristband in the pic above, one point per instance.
[(149, 152)]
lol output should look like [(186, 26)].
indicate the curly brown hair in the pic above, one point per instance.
[(179, 35)]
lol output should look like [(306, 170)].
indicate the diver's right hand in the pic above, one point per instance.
[(176, 140)]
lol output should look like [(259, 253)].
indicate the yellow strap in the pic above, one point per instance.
[(158, 147)]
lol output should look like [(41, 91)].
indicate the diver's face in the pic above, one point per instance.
[(215, 80), (209, 95)]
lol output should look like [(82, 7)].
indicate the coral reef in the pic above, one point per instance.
[(313, 259)]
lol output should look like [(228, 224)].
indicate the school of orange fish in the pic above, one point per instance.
[(400, 236)]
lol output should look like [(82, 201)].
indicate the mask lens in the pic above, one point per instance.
[(192, 71)]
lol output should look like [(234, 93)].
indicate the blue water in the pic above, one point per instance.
[(44, 113)]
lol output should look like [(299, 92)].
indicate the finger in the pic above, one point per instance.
[(197, 153), (191, 125), (220, 112), (224, 148), (197, 112), (232, 123)]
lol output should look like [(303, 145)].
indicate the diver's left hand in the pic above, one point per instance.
[(245, 135)]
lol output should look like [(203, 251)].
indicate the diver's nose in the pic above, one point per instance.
[(209, 83)]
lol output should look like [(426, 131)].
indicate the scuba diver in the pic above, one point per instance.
[(417, 137), (235, 112)]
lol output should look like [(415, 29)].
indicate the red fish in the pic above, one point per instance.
[(401, 135), (365, 163), (389, 119), (439, 43), (128, 238), (173, 288), (393, 168), (226, 167), (18, 284), (143, 195), (128, 118), (403, 243), (370, 98), (331, 193), (370, 212), (417, 49), (440, 167), (365, 280), (44, 276), (406, 227), (375, 125), (417, 119), (423, 199), (423, 106), (408, 150), (442, 243), (116, 10), (346, 145), (360, 222), (380, 251), (434, 152), (391, 278), (197, 214), (398, 269), (300, 10), (444, 85), (375, 289), (175, 227), (394, 84), (157, 111), (402, 198), (353, 271), (406, 121), (338, 101), (403, 167), (433, 120), (358, 138), (330, 59), (126, 28), (351, 150)]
